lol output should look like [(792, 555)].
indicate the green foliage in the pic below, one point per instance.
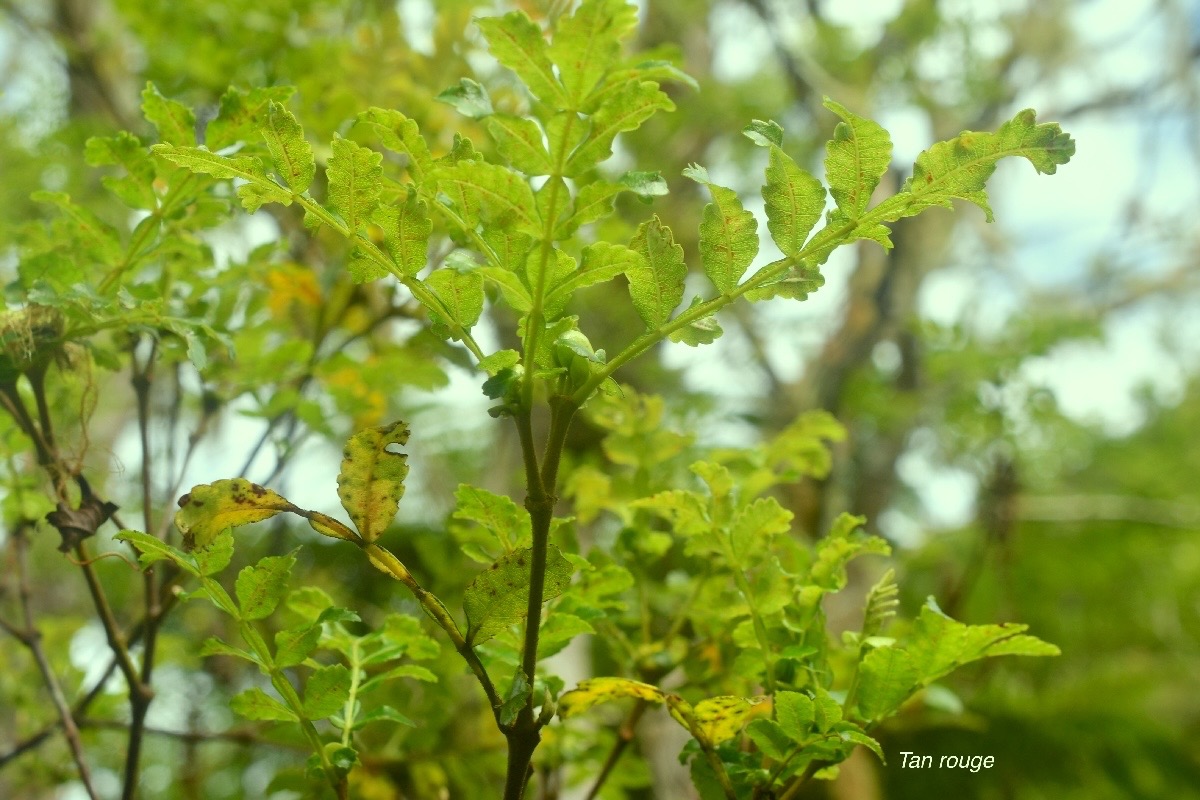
[(682, 559)]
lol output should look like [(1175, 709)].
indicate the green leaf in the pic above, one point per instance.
[(728, 234), (500, 360), (414, 671), (406, 230), (855, 734), (764, 134), (401, 135), (769, 737), (705, 330), (844, 541), (309, 602), (461, 295), (127, 151), (257, 704), (645, 184), (797, 283), (215, 647), (558, 630), (794, 199), (594, 691), (87, 230), (656, 285), (260, 587), (656, 70), (857, 156), (152, 549), (355, 178), (503, 197), (371, 481), (827, 712), (887, 676), (961, 166), (795, 713), (594, 201), (939, 644), (326, 692), (755, 524), (519, 141), (517, 43), (552, 200), (514, 290), (383, 714), (468, 97), (498, 514), (241, 114), (293, 645), (291, 152), (175, 122), (514, 701), (208, 509), (216, 557), (624, 111), (601, 262), (499, 596), (587, 44), (258, 190)]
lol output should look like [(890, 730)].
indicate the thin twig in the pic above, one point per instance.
[(31, 637)]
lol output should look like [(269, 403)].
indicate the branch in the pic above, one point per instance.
[(31, 637)]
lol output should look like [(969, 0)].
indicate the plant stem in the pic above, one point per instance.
[(524, 735), (31, 637), (625, 734)]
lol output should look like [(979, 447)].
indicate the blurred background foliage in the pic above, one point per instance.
[(1021, 399)]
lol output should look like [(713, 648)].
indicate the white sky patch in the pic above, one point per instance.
[(417, 18), (1096, 382)]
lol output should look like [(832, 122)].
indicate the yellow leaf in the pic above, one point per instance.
[(603, 690), (371, 482), (210, 508), (719, 719)]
